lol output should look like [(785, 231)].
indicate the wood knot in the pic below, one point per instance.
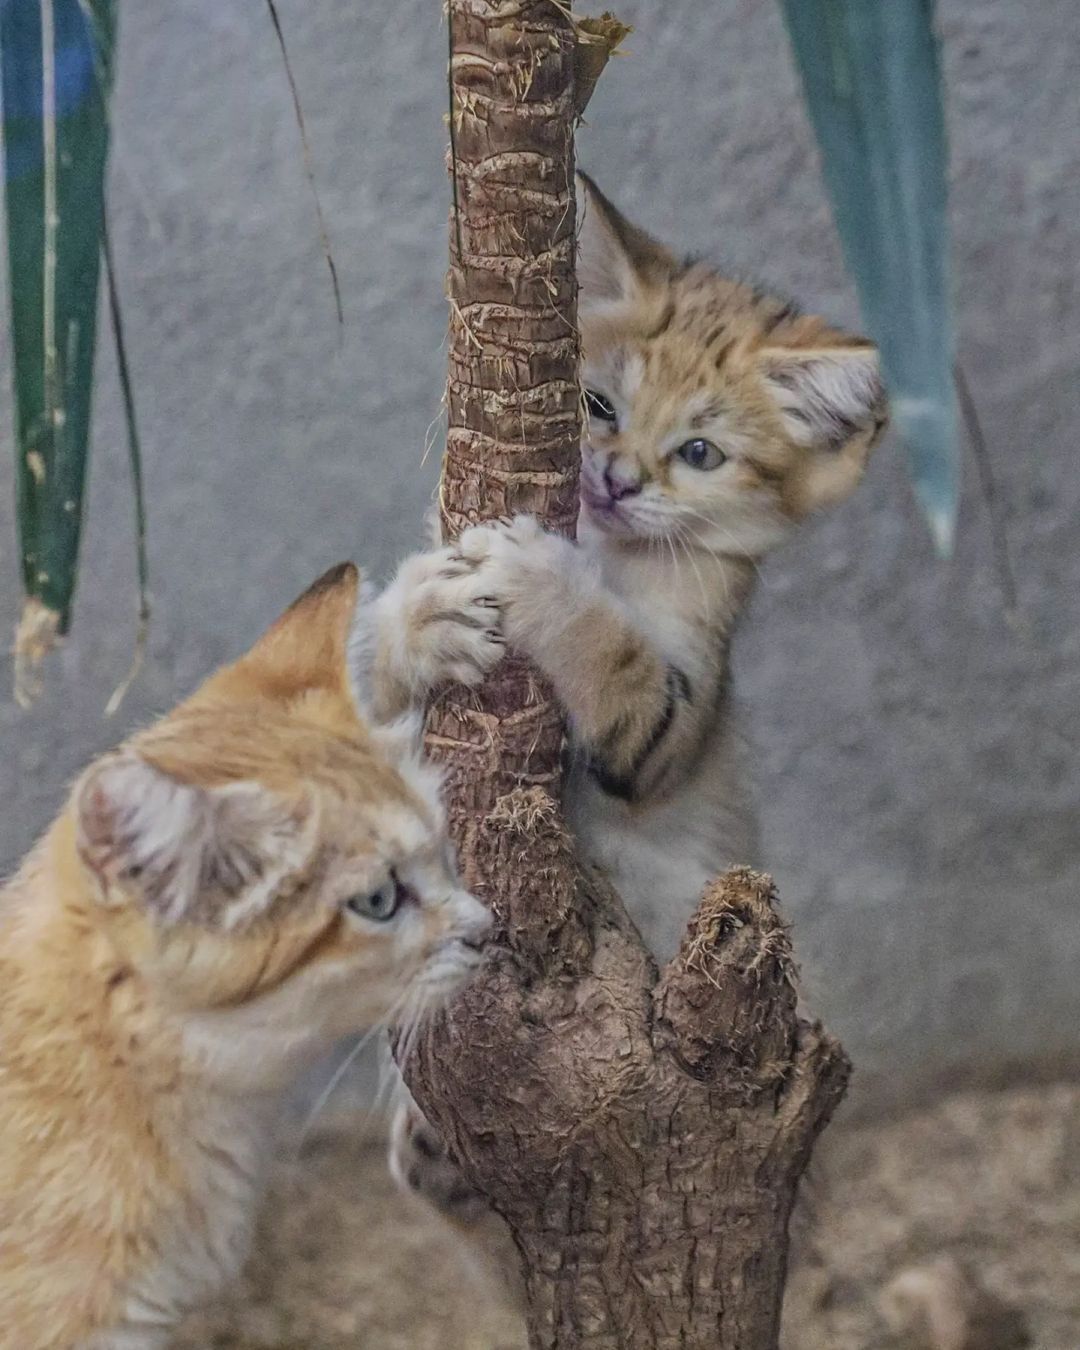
[(737, 927), (727, 1000)]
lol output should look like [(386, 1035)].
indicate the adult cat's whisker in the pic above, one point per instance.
[(381, 1027), (408, 1025), (332, 1085)]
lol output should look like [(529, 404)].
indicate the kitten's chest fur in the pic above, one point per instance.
[(661, 851)]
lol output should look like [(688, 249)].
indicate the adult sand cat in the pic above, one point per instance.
[(258, 874), (719, 418)]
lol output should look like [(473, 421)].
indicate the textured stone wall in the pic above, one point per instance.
[(918, 768)]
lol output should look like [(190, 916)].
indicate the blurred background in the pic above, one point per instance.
[(917, 753)]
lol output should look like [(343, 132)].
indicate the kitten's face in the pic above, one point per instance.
[(715, 414), (266, 860)]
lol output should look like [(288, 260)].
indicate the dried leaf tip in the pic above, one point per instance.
[(35, 637), (597, 40)]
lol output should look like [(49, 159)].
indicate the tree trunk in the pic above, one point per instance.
[(642, 1132)]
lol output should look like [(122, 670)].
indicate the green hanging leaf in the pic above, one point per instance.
[(872, 81), (56, 60)]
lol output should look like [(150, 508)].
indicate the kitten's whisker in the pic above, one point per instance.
[(679, 534), (739, 550), (692, 544), (722, 561), (674, 559)]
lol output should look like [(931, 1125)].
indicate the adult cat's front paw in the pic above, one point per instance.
[(441, 620)]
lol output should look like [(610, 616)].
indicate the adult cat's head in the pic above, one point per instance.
[(716, 413), (272, 867)]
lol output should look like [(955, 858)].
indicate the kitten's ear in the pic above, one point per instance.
[(307, 648), (179, 849), (616, 261), (831, 400)]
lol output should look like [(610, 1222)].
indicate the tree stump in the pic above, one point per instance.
[(642, 1132)]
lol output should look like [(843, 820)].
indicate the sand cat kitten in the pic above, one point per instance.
[(256, 875), (718, 419)]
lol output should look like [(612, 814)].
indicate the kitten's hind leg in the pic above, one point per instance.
[(421, 1166)]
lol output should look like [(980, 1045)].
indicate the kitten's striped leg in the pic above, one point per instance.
[(633, 710)]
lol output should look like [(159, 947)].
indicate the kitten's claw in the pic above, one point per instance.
[(537, 577), (519, 561)]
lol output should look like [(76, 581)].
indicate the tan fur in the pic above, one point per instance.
[(685, 352), (154, 1005)]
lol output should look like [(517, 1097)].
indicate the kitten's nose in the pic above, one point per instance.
[(617, 487)]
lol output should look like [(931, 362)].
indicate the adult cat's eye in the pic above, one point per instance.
[(599, 407), (380, 905), (701, 454)]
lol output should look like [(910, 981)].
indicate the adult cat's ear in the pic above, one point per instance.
[(832, 401), (187, 853), (616, 261), (307, 648)]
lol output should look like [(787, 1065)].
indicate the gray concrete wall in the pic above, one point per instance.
[(919, 775)]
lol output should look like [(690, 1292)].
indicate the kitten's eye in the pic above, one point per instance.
[(599, 407), (701, 454), (380, 905)]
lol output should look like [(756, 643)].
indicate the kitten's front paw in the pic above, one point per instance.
[(534, 576), (507, 541), (442, 620), (518, 559), (420, 1165)]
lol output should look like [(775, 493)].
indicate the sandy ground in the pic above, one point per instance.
[(343, 1261), (993, 1179)]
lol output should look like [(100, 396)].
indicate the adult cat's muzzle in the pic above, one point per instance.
[(474, 925)]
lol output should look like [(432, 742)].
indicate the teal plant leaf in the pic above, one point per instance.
[(56, 60), (872, 81)]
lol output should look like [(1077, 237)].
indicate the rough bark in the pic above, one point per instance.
[(642, 1132)]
